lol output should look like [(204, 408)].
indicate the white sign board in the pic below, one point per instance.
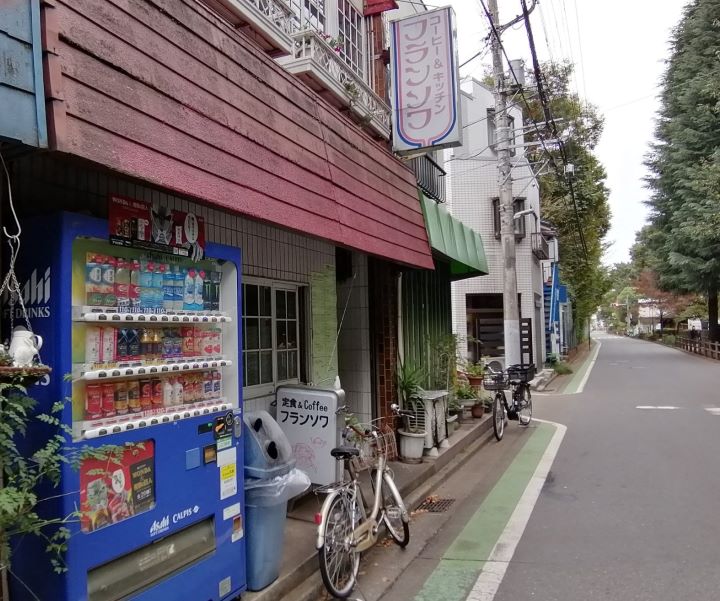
[(307, 416), (424, 80)]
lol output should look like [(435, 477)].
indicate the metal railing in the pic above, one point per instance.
[(430, 177), (540, 246), (310, 51)]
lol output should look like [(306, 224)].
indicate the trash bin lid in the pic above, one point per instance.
[(267, 450)]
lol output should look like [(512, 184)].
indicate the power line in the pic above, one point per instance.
[(580, 46)]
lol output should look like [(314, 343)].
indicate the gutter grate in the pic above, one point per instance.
[(435, 505)]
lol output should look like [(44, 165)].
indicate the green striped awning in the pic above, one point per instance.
[(454, 241)]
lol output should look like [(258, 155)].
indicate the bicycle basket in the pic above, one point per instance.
[(495, 381), (523, 373), (371, 447)]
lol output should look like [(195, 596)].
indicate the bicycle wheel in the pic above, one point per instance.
[(393, 515), (524, 405), (499, 415), (339, 561)]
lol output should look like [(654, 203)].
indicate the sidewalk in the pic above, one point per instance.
[(299, 576)]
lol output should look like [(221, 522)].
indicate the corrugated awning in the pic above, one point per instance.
[(454, 241)]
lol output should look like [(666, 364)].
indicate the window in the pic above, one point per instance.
[(271, 327), (518, 205), (350, 33), (309, 14)]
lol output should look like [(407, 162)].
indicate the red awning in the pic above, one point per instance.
[(375, 7), (169, 93)]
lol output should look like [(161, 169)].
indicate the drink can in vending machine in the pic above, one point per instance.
[(121, 398), (93, 344), (217, 384), (146, 394), (93, 401), (133, 396), (188, 341), (207, 385), (109, 345), (108, 400), (157, 392)]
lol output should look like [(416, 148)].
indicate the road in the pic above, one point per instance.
[(628, 511)]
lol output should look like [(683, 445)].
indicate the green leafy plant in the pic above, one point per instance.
[(561, 368), (464, 391), (27, 469), (409, 379), (475, 370)]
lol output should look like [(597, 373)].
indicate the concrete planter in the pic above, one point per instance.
[(411, 446)]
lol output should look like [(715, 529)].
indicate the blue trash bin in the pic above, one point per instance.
[(270, 481)]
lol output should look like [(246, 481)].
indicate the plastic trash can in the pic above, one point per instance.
[(270, 480)]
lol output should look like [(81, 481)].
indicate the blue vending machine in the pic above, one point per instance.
[(144, 345)]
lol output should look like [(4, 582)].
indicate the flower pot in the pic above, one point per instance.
[(411, 446), (475, 381), (478, 410)]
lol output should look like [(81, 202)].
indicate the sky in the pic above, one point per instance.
[(619, 48)]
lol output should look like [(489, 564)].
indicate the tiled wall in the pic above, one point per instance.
[(42, 183), (354, 341)]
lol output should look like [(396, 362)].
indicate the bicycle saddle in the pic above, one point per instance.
[(345, 452)]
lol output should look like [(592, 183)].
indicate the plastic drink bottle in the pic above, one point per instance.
[(189, 296), (199, 290), (168, 288), (122, 285)]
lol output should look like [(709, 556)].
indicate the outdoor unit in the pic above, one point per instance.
[(430, 411)]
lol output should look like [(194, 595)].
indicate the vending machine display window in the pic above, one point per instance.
[(149, 339)]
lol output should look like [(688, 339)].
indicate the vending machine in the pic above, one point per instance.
[(143, 339)]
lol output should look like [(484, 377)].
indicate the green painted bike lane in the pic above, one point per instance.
[(462, 562)]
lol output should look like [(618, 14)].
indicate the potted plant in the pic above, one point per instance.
[(466, 396), (412, 435), (474, 373)]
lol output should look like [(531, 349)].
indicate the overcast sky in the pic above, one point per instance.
[(619, 53)]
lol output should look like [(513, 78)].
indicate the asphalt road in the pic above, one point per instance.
[(631, 507)]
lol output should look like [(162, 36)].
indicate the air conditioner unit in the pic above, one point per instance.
[(495, 363), (429, 413)]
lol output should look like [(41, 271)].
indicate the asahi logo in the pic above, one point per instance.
[(163, 525), (158, 527), (36, 296)]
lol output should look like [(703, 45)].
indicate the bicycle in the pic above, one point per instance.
[(345, 528), (517, 378)]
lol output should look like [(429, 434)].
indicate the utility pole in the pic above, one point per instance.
[(511, 310)]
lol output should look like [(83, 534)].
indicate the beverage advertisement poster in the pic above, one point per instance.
[(143, 225), (118, 487)]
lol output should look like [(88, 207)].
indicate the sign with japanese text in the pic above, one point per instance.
[(307, 417), (424, 78), (141, 224)]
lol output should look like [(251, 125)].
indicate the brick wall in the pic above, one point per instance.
[(383, 332)]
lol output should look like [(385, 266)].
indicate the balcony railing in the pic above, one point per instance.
[(270, 22), (320, 66), (540, 247), (430, 177)]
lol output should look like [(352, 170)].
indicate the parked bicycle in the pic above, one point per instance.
[(345, 526), (517, 379)]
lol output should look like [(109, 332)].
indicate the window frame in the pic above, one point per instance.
[(518, 205), (268, 388)]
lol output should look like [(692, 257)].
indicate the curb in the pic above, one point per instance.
[(304, 583)]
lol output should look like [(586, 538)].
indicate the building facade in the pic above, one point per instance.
[(473, 197)]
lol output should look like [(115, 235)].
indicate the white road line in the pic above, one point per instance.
[(670, 407), (493, 572), (589, 369), (713, 410)]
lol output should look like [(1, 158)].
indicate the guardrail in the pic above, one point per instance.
[(699, 347)]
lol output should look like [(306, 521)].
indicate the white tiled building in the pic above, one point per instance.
[(472, 190)]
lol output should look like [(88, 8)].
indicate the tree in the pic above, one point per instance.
[(583, 223), (684, 237)]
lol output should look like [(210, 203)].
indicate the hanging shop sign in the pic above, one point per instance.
[(140, 224), (424, 79)]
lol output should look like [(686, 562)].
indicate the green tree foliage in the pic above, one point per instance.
[(580, 126), (684, 238)]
